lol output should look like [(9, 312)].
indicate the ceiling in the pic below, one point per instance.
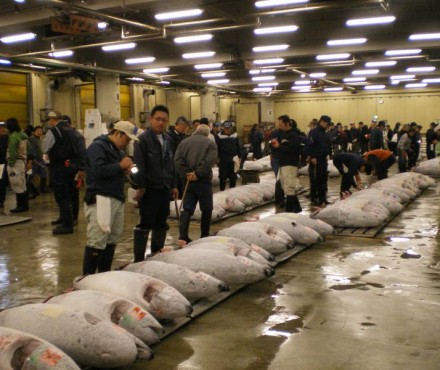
[(72, 25)]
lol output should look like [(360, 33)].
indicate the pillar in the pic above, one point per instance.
[(209, 104), (107, 97)]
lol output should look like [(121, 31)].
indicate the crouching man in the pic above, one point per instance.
[(106, 167), (194, 159)]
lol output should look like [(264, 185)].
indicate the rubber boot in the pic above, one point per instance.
[(205, 224), (140, 238), (106, 258), (22, 205), (43, 185), (185, 219), (67, 226), (32, 189), (25, 200), (91, 259), (292, 204), (279, 195), (58, 221), (158, 237)]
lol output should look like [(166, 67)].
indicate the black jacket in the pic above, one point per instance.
[(228, 147), (289, 150), (154, 161), (350, 160), (3, 148), (317, 145), (175, 139), (376, 138), (104, 175)]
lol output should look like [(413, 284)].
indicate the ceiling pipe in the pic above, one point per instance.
[(94, 13), (330, 82), (195, 23)]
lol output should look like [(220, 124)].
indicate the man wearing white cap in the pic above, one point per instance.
[(106, 167)]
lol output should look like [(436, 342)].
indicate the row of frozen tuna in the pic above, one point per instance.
[(374, 206), (237, 199), (431, 167), (112, 318), (260, 165)]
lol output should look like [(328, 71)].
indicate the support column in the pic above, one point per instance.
[(209, 104), (107, 97)]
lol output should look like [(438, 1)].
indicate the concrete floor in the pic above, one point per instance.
[(348, 303)]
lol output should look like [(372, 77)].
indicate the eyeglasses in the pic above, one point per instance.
[(160, 119)]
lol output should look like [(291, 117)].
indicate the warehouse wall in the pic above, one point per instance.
[(14, 97), (422, 107)]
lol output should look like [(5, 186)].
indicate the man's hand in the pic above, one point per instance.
[(139, 195), (313, 161), (174, 193), (126, 163), (191, 176)]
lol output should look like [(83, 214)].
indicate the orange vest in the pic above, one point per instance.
[(382, 154)]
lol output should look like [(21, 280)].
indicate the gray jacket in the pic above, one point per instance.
[(197, 153)]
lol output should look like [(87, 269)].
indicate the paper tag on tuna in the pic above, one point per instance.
[(255, 248), (53, 311), (50, 357), (166, 293), (202, 276), (246, 261), (137, 313)]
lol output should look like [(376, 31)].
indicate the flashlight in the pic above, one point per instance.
[(134, 169)]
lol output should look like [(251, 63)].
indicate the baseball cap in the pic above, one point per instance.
[(53, 114), (216, 124), (127, 128), (227, 124), (325, 119)]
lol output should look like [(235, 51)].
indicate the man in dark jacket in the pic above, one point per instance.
[(156, 184), (381, 160), (431, 140), (376, 135), (66, 162), (317, 151), (194, 159), (354, 164), (287, 152), (3, 163), (228, 148), (106, 167), (256, 138)]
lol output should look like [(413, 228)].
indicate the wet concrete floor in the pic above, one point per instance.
[(347, 303)]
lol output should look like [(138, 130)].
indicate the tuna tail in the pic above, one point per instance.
[(223, 287), (290, 245), (144, 352), (269, 271)]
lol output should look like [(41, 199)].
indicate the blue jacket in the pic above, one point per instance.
[(154, 161), (104, 175), (317, 145)]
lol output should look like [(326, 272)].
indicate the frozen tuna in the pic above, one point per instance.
[(21, 350), (157, 297), (319, 226), (272, 239), (87, 339), (300, 234), (376, 195), (430, 167), (117, 310), (193, 285), (225, 240), (232, 270)]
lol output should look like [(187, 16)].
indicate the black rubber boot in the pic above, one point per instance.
[(158, 237), (58, 221), (106, 258), (279, 195), (43, 185), (140, 243), (185, 219), (67, 226), (22, 203), (91, 259), (292, 204), (205, 224)]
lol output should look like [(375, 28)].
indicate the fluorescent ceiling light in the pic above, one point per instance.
[(196, 38), (61, 54), (333, 89), (268, 70), (302, 82), (267, 84), (261, 49), (258, 71), (156, 70), (300, 88), (431, 80), (269, 61), (395, 82), (178, 14), (361, 72), (164, 82), (5, 62), (346, 42), (200, 54), (18, 38), (19, 1), (271, 3), (208, 66), (392, 53), (140, 60), (374, 87), (415, 85), (35, 66), (278, 29), (213, 74), (402, 77), (370, 21), (385, 63), (333, 56), (263, 78), (217, 82), (262, 89), (425, 36), (135, 79), (254, 72), (318, 74), (130, 45), (354, 79), (420, 69), (102, 25)]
